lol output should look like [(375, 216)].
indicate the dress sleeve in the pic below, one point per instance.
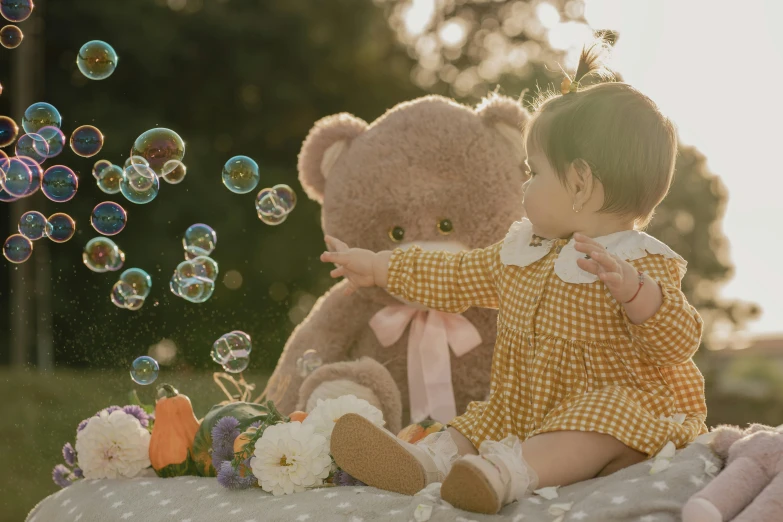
[(673, 334), (445, 281)]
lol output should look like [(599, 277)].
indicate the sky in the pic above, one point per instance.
[(727, 101)]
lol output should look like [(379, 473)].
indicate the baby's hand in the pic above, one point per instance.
[(619, 276), (361, 267)]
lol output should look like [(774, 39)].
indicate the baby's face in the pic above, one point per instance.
[(548, 203)]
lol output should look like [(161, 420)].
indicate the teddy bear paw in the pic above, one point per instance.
[(700, 510)]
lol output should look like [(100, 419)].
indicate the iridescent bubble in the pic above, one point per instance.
[(33, 146), (33, 225), (240, 174), (11, 36), (59, 183), (1, 88), (274, 204), (108, 218), (144, 370), (136, 160), (201, 268), (119, 293), (36, 172), (63, 227), (159, 146), (174, 172), (97, 60), (39, 115), (55, 139), (236, 364), (101, 254), (86, 141), (236, 343), (8, 131), (16, 10), (308, 363), (199, 240), (137, 187), (17, 178), (17, 248), (191, 289), (139, 281), (98, 167), (117, 262), (109, 179), (5, 197)]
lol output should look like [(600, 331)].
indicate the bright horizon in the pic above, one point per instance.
[(703, 47)]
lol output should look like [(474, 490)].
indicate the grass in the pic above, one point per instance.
[(39, 413)]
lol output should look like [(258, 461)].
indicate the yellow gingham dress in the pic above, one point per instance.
[(566, 355)]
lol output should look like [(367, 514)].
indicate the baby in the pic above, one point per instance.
[(592, 369)]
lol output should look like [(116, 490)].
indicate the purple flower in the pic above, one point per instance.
[(68, 454), (82, 425), (221, 455), (224, 433), (229, 478), (139, 413), (256, 424), (341, 478), (60, 474), (77, 472), (108, 410)]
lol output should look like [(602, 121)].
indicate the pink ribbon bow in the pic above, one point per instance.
[(429, 363)]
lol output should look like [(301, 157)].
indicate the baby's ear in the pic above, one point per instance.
[(325, 143), (508, 117)]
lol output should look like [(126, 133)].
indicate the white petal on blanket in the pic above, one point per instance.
[(560, 509), (549, 493), (705, 438), (659, 465), (710, 468), (668, 451), (423, 513)]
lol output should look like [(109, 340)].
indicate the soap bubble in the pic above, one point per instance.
[(98, 167), (5, 197), (17, 179), (137, 187), (63, 227), (236, 364), (136, 160), (17, 248), (240, 174), (36, 172), (109, 179), (139, 281), (33, 225), (199, 240), (96, 60), (144, 370), (274, 204), (33, 146), (108, 218), (201, 267), (16, 10), (174, 172), (39, 115), (159, 146), (236, 343), (308, 363), (86, 141), (8, 131), (55, 139), (122, 296), (101, 254), (11, 36), (191, 289), (59, 183)]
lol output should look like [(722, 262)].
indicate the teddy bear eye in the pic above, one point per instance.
[(396, 234), (445, 226)]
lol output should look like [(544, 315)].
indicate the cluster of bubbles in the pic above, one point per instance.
[(108, 218), (14, 11), (232, 351), (101, 254), (273, 205), (33, 226), (308, 363), (144, 370), (194, 278), (131, 289)]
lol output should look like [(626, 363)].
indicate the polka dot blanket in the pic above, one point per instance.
[(652, 491)]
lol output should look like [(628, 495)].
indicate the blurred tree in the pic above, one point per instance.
[(466, 48)]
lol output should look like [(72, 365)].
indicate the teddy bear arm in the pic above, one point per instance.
[(768, 505), (330, 328), (728, 494)]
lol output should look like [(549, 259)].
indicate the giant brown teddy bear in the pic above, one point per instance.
[(430, 172)]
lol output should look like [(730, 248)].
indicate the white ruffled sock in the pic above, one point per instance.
[(442, 449), (515, 473)]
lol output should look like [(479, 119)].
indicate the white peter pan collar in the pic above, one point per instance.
[(519, 250)]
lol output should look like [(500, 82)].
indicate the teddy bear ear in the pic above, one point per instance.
[(725, 436), (326, 141), (508, 117)]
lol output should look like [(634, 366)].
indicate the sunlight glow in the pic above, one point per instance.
[(453, 33), (418, 16), (547, 14)]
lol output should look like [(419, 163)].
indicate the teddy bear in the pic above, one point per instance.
[(430, 172), (750, 487)]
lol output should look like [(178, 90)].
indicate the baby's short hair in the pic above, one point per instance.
[(620, 133)]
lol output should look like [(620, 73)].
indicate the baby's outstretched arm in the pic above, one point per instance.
[(360, 267)]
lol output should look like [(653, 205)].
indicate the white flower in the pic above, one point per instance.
[(291, 457), (113, 445), (325, 414)]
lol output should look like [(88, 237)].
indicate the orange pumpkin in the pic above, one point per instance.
[(243, 439), (298, 416), (416, 432), (171, 443)]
